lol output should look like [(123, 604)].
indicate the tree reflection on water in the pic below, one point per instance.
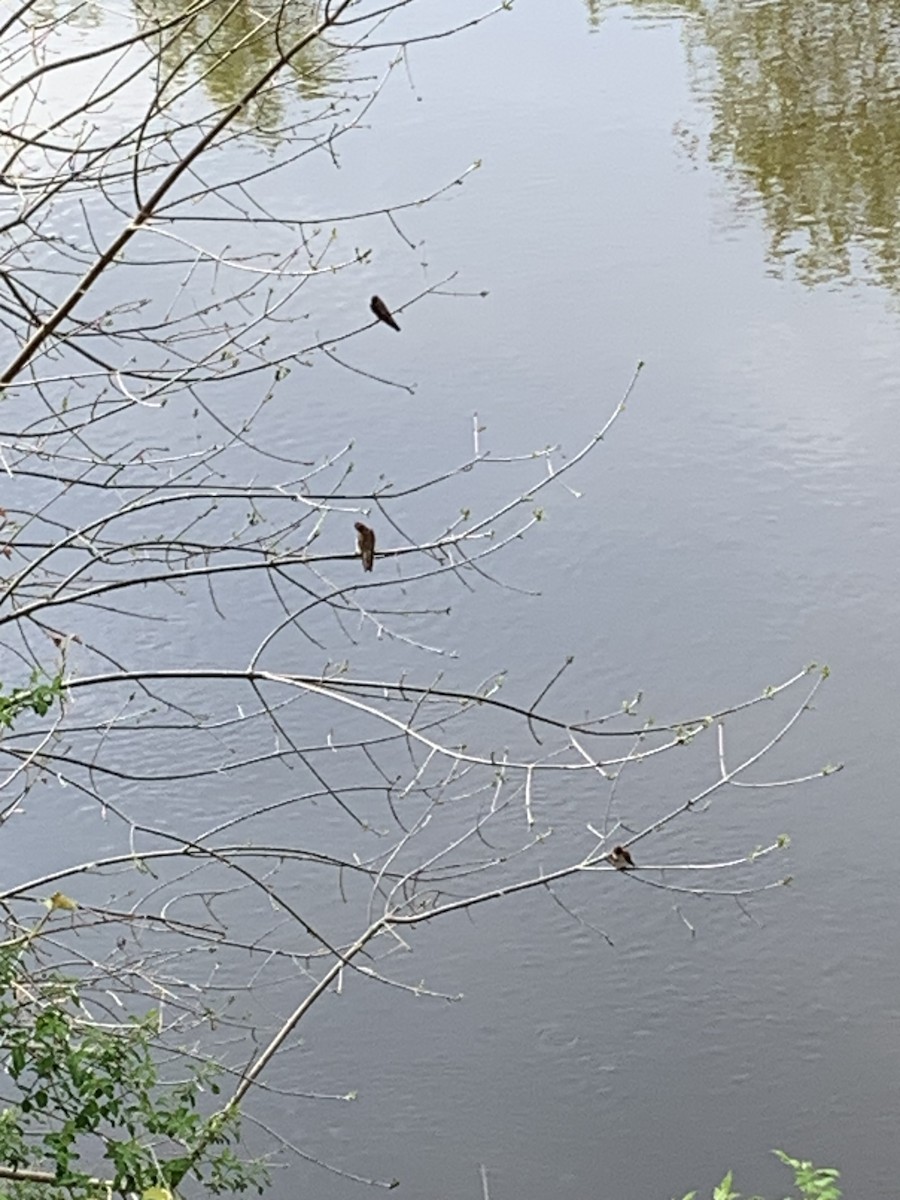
[(805, 122)]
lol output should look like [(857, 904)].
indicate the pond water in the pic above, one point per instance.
[(710, 189)]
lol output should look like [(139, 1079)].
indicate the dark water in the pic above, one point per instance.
[(710, 190)]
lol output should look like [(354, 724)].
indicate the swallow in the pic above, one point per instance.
[(621, 859), (382, 312), (365, 544)]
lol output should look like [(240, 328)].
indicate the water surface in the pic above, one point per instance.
[(710, 189)]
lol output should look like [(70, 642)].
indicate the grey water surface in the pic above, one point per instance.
[(712, 190), (740, 522)]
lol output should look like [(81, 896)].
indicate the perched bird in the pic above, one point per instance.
[(365, 544), (382, 312), (621, 859)]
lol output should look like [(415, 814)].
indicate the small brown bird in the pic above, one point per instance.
[(621, 859), (365, 544), (382, 312)]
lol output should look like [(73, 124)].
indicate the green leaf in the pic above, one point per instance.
[(724, 1190)]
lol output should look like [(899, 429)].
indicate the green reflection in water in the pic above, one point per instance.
[(80, 14), (594, 13), (805, 103), (225, 45)]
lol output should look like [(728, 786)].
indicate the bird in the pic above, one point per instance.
[(382, 312), (365, 544), (621, 859)]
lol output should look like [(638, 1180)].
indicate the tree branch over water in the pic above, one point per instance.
[(249, 780)]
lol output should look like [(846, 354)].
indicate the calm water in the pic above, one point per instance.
[(710, 189), (690, 191)]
